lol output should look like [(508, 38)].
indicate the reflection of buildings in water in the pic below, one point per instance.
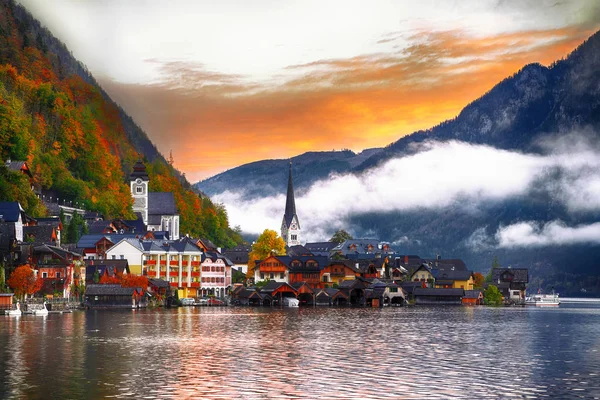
[(17, 369)]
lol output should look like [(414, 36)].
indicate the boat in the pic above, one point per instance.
[(543, 300), (291, 302), (16, 311), (41, 311)]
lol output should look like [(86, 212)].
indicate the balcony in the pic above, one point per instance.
[(174, 284), (195, 263), (196, 274), (163, 262), (173, 273), (151, 274), (174, 263), (149, 262), (195, 284)]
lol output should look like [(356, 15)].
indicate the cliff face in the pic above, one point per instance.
[(77, 142)]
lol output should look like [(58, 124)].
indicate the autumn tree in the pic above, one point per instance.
[(478, 279), (340, 236), (24, 282), (268, 241), (134, 281)]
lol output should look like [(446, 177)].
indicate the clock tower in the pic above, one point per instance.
[(290, 226), (138, 181)]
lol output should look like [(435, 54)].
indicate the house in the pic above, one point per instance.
[(451, 278), (41, 234), (21, 167), (94, 246), (159, 290), (306, 294), (274, 292), (337, 271), (271, 268), (355, 291), (430, 296), (473, 297), (422, 273), (6, 300), (239, 256), (215, 277), (13, 216), (330, 297), (511, 282), (113, 296), (96, 269), (56, 224), (176, 261), (243, 296), (298, 251), (55, 266)]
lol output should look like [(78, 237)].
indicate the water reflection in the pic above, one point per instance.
[(412, 352)]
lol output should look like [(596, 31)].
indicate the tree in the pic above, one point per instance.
[(134, 281), (495, 264), (492, 296), (478, 279), (340, 236), (23, 282), (268, 241), (238, 276)]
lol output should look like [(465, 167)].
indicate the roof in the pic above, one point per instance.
[(451, 275), (472, 294), (20, 166), (294, 263), (362, 246), (320, 248), (438, 292), (239, 254), (107, 290), (139, 171), (290, 202), (11, 210), (298, 250), (159, 283), (58, 251), (274, 285), (447, 264), (161, 203), (519, 275), (89, 241), (39, 234)]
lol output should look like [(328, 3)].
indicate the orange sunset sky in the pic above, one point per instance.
[(220, 84)]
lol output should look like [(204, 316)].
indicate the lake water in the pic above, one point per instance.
[(410, 352)]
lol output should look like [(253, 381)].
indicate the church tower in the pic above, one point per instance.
[(139, 189), (290, 226)]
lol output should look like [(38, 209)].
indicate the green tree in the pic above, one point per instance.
[(492, 296), (75, 228), (268, 241), (495, 264), (340, 236)]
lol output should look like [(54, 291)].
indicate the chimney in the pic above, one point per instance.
[(406, 260)]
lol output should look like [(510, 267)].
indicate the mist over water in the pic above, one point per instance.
[(254, 353)]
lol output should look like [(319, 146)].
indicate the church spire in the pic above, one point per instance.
[(290, 226), (290, 203)]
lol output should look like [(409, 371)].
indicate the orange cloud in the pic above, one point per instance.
[(213, 122)]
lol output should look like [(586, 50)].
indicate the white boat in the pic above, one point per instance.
[(41, 311), (16, 311), (291, 302), (543, 300)]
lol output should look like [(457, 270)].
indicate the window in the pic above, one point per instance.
[(139, 190), (58, 275), (44, 275), (294, 237), (281, 275), (272, 276), (262, 276), (114, 257), (122, 257)]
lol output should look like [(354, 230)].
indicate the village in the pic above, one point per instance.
[(147, 263)]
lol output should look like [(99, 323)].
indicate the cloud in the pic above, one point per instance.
[(555, 233), (213, 121), (440, 175)]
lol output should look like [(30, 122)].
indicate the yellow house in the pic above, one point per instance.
[(452, 279), (422, 274)]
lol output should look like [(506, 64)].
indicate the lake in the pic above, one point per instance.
[(307, 353)]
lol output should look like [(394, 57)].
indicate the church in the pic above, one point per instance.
[(157, 209), (290, 226)]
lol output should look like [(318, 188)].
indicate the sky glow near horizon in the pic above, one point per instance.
[(223, 83)]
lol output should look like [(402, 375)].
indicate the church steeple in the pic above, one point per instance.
[(290, 226)]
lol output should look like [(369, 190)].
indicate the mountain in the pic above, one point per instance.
[(79, 144), (518, 115)]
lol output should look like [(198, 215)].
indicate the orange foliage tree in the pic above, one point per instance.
[(134, 281), (107, 279), (478, 279), (23, 281)]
